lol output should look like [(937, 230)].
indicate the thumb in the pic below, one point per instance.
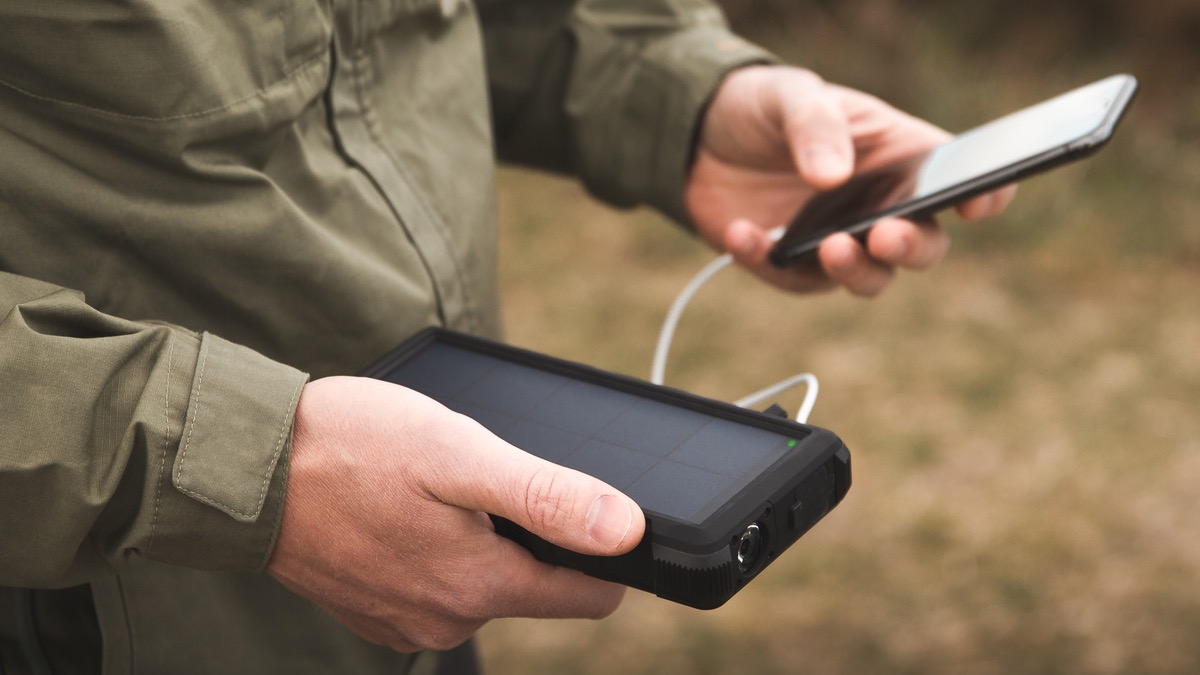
[(817, 129), (563, 506)]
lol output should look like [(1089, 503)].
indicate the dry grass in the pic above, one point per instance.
[(1023, 419)]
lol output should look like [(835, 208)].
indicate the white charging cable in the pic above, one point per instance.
[(812, 388), (667, 334)]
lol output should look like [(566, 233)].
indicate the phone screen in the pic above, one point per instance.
[(982, 158), (1031, 132), (670, 460)]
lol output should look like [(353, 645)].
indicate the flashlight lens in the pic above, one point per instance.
[(749, 548)]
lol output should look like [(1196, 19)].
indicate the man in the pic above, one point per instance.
[(257, 199)]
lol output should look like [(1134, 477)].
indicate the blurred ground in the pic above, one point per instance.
[(1024, 419)]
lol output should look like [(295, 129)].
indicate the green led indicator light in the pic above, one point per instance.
[(792, 443)]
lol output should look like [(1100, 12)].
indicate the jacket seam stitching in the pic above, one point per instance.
[(288, 76), (188, 442), (166, 449), (269, 544), (279, 445), (195, 414), (266, 482)]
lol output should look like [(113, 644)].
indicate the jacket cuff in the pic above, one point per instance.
[(647, 157), (222, 479)]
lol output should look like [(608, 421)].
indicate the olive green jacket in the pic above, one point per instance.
[(202, 202)]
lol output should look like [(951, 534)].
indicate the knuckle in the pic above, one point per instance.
[(547, 502), (479, 605), (442, 636), (803, 78), (866, 278), (804, 281)]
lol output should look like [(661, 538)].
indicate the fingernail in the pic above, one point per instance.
[(609, 520)]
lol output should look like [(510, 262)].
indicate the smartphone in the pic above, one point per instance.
[(725, 490), (1057, 131)]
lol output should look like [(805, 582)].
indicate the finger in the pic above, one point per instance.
[(817, 129), (506, 582), (532, 589), (750, 246), (561, 505), (440, 634), (904, 243), (479, 576), (845, 261), (987, 205)]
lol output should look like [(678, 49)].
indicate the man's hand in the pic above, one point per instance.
[(384, 523), (773, 136)]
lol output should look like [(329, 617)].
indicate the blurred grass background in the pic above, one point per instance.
[(1024, 418)]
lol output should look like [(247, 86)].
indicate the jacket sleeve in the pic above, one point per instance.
[(610, 90), (120, 438)]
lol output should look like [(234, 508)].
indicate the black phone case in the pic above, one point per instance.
[(703, 565)]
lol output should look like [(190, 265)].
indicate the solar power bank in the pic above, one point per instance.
[(725, 490)]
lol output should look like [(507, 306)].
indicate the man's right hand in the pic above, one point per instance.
[(771, 138), (384, 522)]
